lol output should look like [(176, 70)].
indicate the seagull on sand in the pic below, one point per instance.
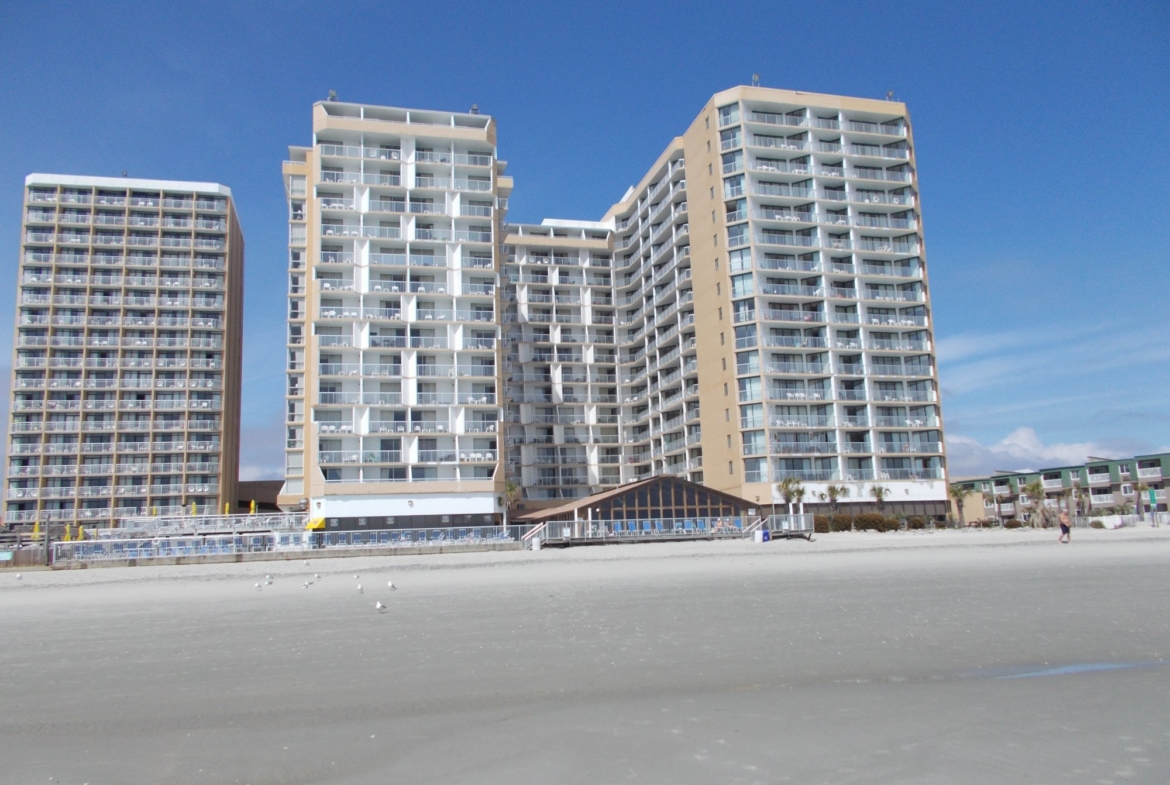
[(391, 586), (360, 589), (317, 575), (355, 577), (19, 576), (257, 587), (306, 585), (379, 606)]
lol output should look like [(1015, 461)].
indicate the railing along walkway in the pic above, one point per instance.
[(276, 542)]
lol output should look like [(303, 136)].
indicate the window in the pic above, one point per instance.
[(751, 415), (737, 235), (742, 285), (729, 138), (754, 443), (728, 114), (740, 259), (749, 389), (732, 162), (755, 470), (733, 187)]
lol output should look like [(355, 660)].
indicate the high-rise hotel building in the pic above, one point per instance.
[(126, 373), (393, 390), (756, 308)]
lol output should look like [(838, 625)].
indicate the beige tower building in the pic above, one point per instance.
[(776, 251), (755, 309), (126, 373)]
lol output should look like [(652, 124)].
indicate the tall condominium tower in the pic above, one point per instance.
[(755, 309), (126, 375), (770, 274), (393, 373)]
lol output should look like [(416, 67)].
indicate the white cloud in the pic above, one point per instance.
[(1023, 449), (970, 362)]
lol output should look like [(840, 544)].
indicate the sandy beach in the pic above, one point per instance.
[(956, 657)]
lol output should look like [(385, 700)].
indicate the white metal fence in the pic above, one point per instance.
[(164, 547), (680, 528), (168, 525)]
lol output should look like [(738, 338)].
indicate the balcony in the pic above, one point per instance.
[(370, 178), (381, 398), (437, 456), (923, 473), (382, 456), (874, 151)]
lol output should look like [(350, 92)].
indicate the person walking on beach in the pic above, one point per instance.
[(1064, 529)]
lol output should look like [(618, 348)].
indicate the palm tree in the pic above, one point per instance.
[(791, 489), (834, 494), (1138, 490), (957, 492), (511, 496), (1035, 491), (798, 497), (879, 494)]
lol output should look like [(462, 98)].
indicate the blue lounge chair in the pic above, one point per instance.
[(658, 529)]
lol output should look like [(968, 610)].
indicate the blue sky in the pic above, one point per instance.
[(1043, 135)]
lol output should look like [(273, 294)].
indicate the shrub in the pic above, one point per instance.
[(917, 522), (869, 521), (841, 523), (821, 524), (890, 525), (1097, 525), (1012, 523)]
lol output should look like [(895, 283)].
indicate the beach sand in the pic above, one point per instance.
[(948, 657)]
